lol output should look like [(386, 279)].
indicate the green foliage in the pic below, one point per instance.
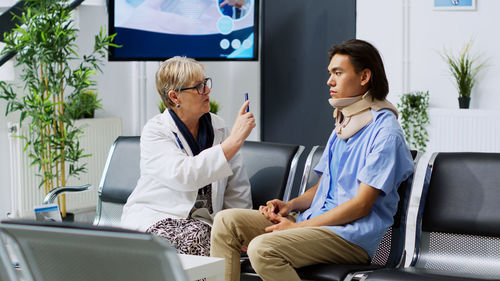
[(464, 67), (414, 118), (161, 106), (214, 107), (45, 45), (83, 105)]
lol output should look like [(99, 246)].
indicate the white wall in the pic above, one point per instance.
[(382, 23), (122, 95)]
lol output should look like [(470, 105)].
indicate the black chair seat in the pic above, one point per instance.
[(320, 272), (246, 266), (332, 272), (416, 274)]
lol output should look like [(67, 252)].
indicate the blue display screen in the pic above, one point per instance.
[(200, 29)]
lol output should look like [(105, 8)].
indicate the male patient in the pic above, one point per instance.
[(343, 217)]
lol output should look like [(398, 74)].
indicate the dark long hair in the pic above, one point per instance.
[(364, 55)]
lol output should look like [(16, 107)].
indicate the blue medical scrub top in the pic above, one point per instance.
[(377, 155)]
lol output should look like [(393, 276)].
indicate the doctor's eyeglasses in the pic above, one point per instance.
[(202, 88)]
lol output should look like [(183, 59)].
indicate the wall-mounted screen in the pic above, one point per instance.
[(201, 29)]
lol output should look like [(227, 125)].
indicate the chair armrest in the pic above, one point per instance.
[(52, 195)]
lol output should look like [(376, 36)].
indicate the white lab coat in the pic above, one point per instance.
[(171, 176)]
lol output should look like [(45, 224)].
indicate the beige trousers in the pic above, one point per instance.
[(275, 255)]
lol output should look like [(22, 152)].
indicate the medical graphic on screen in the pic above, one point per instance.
[(201, 29)]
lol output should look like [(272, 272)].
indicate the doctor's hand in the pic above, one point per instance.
[(234, 3), (243, 125)]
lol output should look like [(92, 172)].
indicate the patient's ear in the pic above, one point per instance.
[(366, 75)]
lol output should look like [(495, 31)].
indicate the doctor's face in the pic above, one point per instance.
[(195, 96), (344, 82)]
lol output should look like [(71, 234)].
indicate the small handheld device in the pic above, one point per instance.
[(248, 107)]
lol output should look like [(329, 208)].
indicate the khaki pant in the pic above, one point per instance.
[(275, 255)]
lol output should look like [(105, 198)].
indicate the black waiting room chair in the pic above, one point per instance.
[(7, 272), (271, 169), (309, 176), (51, 251), (119, 178), (390, 252), (458, 222)]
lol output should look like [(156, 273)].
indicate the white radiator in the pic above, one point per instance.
[(99, 134), (464, 130)]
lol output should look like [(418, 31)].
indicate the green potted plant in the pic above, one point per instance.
[(464, 67), (83, 105), (414, 117), (214, 107), (44, 41)]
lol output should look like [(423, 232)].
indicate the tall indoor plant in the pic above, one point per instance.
[(44, 41), (414, 117), (464, 67)]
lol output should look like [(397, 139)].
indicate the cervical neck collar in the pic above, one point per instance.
[(353, 114)]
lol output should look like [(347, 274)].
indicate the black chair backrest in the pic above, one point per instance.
[(122, 170), (271, 169), (458, 227), (118, 180), (414, 154), (464, 194), (309, 176), (391, 249), (59, 251)]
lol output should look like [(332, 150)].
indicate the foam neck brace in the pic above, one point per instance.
[(353, 114)]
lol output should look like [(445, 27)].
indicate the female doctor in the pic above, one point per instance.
[(190, 164)]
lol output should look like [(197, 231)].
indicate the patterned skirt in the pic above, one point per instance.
[(188, 236)]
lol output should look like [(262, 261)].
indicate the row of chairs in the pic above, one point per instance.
[(457, 233), (270, 166), (460, 188)]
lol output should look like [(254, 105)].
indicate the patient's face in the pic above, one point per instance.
[(344, 82)]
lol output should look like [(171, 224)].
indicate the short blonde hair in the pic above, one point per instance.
[(174, 74)]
